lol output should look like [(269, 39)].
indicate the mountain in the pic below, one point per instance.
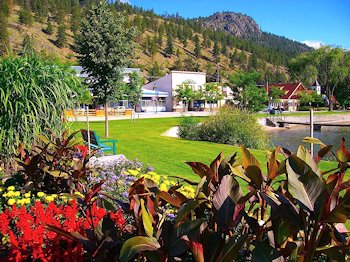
[(245, 27), (236, 24)]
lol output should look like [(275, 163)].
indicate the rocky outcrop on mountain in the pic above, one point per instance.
[(237, 24)]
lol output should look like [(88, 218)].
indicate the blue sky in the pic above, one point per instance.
[(318, 21)]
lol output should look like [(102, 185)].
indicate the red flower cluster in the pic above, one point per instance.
[(83, 150), (28, 239)]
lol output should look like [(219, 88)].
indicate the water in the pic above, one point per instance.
[(291, 138)]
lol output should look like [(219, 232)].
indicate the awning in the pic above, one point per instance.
[(154, 93)]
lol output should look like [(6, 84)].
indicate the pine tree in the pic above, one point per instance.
[(197, 50), (61, 40), (49, 29), (25, 17), (27, 45), (169, 50)]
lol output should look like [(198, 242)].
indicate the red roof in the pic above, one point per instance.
[(291, 90)]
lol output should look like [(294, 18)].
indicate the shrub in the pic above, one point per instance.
[(229, 126), (34, 94), (188, 128)]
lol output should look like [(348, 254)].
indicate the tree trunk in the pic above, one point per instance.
[(106, 120)]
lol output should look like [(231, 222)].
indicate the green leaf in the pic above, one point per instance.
[(147, 219), (186, 209), (231, 249), (135, 245), (303, 184)]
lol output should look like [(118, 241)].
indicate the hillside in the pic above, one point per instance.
[(193, 46)]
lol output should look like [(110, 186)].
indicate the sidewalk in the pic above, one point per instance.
[(140, 116)]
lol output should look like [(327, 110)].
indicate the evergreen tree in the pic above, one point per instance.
[(25, 17), (197, 50), (216, 51), (27, 45), (49, 29), (105, 48), (152, 47), (61, 40), (169, 50)]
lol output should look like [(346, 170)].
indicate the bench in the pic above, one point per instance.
[(96, 142)]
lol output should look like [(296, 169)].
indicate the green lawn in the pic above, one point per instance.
[(143, 140)]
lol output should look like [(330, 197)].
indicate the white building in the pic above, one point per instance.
[(170, 82), (152, 100)]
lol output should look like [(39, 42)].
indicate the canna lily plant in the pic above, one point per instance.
[(293, 212)]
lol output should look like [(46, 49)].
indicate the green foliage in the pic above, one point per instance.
[(169, 49), (188, 127), (54, 164), (49, 28), (249, 95), (105, 47), (275, 93), (61, 38), (184, 93), (25, 17), (27, 45), (34, 94), (133, 89), (235, 127), (327, 64), (4, 13), (212, 93), (291, 213)]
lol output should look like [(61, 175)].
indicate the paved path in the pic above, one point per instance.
[(140, 116)]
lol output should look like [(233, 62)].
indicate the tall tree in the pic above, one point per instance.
[(169, 50), (61, 40), (25, 17), (105, 47), (197, 49), (327, 64), (133, 89), (27, 45), (243, 84)]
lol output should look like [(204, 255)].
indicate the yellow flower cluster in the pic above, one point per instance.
[(164, 183), (187, 191), (15, 197)]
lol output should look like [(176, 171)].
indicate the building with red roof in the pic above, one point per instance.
[(290, 99)]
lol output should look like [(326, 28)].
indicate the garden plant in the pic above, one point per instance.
[(294, 212)]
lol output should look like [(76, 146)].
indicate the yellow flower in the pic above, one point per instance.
[(11, 201), (10, 194), (48, 199), (54, 196), (1, 189), (133, 172), (20, 202), (163, 187), (10, 188), (167, 182), (27, 194), (78, 194), (26, 200), (17, 193), (40, 194), (4, 195)]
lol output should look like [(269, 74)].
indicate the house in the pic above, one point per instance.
[(290, 98), (170, 82)]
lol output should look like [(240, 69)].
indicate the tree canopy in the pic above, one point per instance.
[(105, 47)]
